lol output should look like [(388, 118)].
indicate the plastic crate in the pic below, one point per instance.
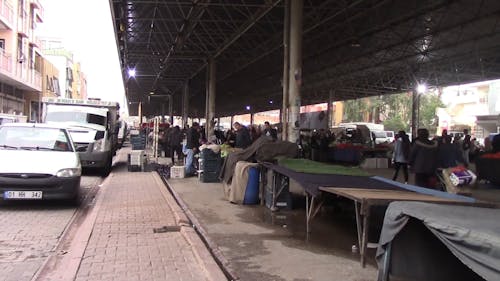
[(209, 177), (208, 154), (177, 172)]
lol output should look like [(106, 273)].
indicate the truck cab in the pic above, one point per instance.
[(93, 126)]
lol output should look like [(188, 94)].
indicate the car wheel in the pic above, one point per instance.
[(107, 168)]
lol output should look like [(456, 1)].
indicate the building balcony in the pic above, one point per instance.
[(6, 15), (23, 25), (18, 74), (39, 12)]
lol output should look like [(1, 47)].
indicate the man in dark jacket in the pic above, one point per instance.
[(423, 159), (269, 131), (192, 144), (175, 143), (242, 136)]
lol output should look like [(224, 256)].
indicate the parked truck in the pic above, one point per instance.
[(93, 125)]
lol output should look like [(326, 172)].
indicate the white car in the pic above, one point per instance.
[(38, 161)]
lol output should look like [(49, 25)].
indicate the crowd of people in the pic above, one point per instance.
[(180, 143), (424, 156)]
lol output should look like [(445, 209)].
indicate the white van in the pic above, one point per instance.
[(390, 136)]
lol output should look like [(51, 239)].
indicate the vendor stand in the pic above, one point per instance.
[(352, 183), (366, 198), (446, 243), (488, 167)]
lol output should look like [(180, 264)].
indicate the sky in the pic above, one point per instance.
[(86, 28)]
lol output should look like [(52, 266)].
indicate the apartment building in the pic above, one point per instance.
[(20, 57), (79, 90)]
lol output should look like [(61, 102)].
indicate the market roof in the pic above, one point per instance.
[(353, 48)]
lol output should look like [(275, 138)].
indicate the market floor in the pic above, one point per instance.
[(262, 245), (265, 246)]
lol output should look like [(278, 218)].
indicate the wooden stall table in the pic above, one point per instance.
[(365, 198)]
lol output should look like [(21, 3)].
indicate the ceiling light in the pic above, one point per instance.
[(421, 88), (131, 72), (247, 107)]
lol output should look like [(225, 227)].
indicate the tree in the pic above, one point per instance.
[(428, 105)]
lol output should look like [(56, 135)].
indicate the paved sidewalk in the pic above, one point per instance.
[(138, 232)]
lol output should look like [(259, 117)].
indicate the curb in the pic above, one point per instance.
[(65, 266), (203, 254), (222, 262)]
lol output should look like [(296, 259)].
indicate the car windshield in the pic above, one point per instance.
[(34, 138), (78, 117)]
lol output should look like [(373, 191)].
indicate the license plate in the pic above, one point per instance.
[(22, 195)]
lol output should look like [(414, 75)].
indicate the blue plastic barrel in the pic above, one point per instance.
[(252, 190)]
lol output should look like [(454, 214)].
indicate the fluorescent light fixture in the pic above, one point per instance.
[(151, 93), (421, 88)]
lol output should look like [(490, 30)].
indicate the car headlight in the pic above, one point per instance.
[(98, 145), (68, 173)]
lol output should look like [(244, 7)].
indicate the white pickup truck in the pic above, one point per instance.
[(93, 125)]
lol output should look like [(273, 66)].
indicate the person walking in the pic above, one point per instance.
[(423, 159), (466, 146), (192, 144), (175, 144), (401, 155)]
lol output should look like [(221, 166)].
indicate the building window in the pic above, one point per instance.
[(2, 44)]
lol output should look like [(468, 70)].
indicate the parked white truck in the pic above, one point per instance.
[(93, 125)]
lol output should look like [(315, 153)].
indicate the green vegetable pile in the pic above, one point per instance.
[(313, 167)]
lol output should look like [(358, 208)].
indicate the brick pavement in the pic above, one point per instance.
[(123, 244)]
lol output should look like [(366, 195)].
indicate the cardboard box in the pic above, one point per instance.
[(369, 163), (177, 172), (382, 163)]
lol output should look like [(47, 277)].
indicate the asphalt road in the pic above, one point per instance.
[(31, 230)]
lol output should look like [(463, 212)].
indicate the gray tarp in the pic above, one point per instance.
[(472, 234)]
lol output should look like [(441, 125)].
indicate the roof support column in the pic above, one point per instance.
[(210, 99), (171, 109), (286, 69), (295, 73), (414, 113), (185, 104), (329, 110)]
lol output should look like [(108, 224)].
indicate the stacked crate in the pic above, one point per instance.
[(138, 142), (210, 165)]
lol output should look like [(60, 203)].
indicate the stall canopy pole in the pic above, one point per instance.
[(286, 69), (295, 73)]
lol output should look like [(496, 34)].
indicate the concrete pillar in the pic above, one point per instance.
[(185, 104), (139, 113), (414, 113), (329, 110), (171, 109), (251, 118), (286, 69), (295, 73), (210, 99)]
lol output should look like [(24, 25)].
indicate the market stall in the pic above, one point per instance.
[(423, 241), (488, 167)]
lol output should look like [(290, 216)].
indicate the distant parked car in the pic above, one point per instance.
[(390, 136), (379, 137), (39, 161)]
